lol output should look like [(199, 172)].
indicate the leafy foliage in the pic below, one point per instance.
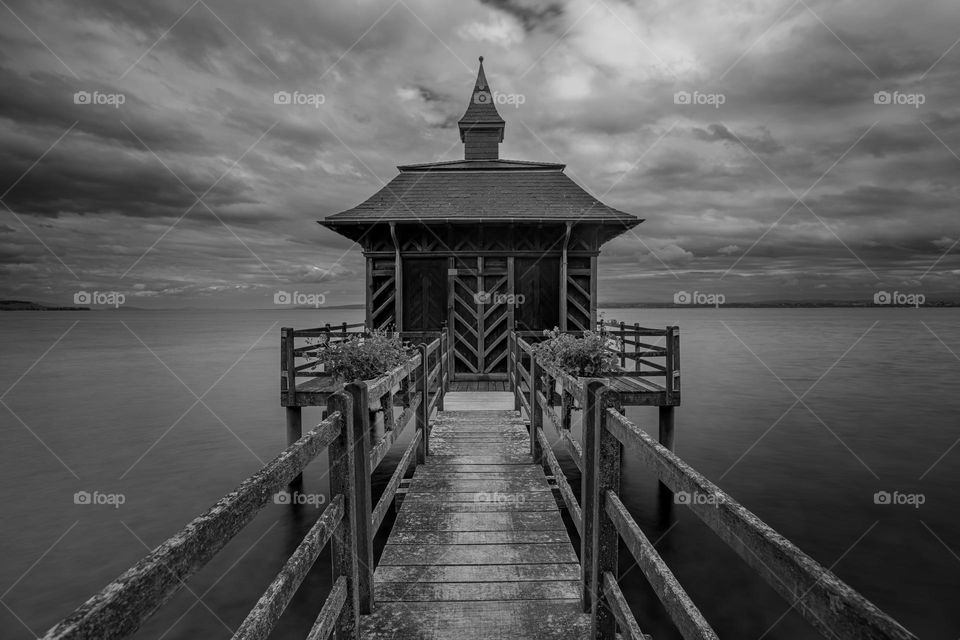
[(364, 357), (582, 357)]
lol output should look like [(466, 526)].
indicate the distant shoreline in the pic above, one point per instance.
[(774, 305), (26, 305)]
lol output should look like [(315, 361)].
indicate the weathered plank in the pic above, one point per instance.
[(454, 520), (478, 573), (479, 537), (494, 620), (512, 485), (478, 591), (477, 554), (468, 458)]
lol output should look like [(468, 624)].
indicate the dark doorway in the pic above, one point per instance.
[(425, 294), (538, 281)]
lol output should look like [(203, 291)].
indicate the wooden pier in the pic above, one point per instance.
[(479, 548)]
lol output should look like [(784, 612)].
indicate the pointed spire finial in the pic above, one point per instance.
[(481, 127)]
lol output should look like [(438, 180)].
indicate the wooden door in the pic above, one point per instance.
[(481, 311), (424, 293)]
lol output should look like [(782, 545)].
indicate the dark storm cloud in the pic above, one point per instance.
[(47, 100), (763, 143), (530, 13)]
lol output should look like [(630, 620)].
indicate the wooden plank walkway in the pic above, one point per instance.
[(479, 549)]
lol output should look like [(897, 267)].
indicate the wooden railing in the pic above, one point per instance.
[(647, 360), (302, 351), (831, 606), (349, 522)]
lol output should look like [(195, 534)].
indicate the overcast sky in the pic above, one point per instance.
[(789, 180)]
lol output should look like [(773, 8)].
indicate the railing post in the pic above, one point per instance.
[(601, 471), (423, 415), (517, 378), (344, 540), (360, 423), (288, 366), (536, 411), (606, 457), (442, 359)]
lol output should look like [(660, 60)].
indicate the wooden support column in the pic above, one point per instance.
[(369, 294), (563, 278), (343, 548), (667, 423), (593, 293), (360, 422), (398, 280)]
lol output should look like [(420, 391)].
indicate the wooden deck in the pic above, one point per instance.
[(479, 549), (479, 385)]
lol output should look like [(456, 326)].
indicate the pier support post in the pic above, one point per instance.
[(294, 433), (360, 422), (343, 548), (667, 423)]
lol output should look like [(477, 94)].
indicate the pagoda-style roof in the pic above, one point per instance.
[(482, 187), (477, 190)]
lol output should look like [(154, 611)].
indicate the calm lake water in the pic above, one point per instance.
[(112, 407)]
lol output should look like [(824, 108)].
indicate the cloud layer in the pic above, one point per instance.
[(788, 151)]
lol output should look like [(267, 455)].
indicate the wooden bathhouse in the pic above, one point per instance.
[(482, 245)]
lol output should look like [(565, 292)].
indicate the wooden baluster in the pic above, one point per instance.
[(344, 540), (361, 460)]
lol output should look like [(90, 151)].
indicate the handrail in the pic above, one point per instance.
[(828, 604), (264, 615), (123, 605), (348, 523)]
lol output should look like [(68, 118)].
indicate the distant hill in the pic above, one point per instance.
[(26, 305)]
